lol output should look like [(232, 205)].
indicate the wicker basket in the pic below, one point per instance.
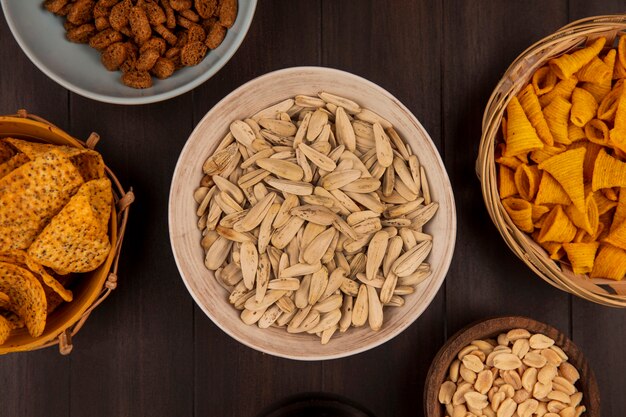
[(93, 287), (572, 36)]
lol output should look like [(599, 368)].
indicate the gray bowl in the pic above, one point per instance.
[(77, 67)]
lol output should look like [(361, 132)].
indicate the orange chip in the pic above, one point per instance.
[(503, 128), (596, 71), (88, 162), (521, 136), (567, 64), (610, 193), (603, 203), (617, 235), (597, 132), (510, 162), (557, 118), (520, 212), (546, 152), (610, 263), (6, 152), (538, 213), (621, 50), (557, 227), (599, 91), (527, 181), (543, 80), (76, 240), (608, 172), (21, 259), (608, 105), (506, 184), (28, 299), (35, 149), (575, 133), (567, 169), (5, 329), (530, 103), (31, 195), (551, 192), (587, 220), (554, 249), (620, 210), (584, 107), (619, 71), (563, 89), (590, 159), (581, 256), (15, 162)]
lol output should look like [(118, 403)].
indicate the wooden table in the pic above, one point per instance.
[(149, 351)]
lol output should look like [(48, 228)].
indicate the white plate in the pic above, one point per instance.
[(77, 67), (185, 236)]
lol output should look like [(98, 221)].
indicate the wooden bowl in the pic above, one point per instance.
[(92, 287), (491, 328), (185, 236)]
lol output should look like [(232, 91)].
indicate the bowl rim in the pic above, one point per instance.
[(499, 324), (111, 99), (446, 260)]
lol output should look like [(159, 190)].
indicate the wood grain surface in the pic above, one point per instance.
[(149, 351)]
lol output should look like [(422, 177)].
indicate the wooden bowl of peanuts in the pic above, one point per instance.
[(311, 204), (510, 366), (98, 50)]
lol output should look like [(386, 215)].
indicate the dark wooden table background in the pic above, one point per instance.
[(149, 351)]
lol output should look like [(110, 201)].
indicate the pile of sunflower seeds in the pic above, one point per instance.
[(312, 214)]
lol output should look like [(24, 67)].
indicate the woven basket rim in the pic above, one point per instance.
[(514, 79), (122, 201)]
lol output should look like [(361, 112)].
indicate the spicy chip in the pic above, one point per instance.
[(76, 240), (28, 299), (569, 194)]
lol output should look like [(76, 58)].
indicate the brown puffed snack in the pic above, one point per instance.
[(155, 13), (64, 10), (132, 54), (180, 5), (54, 6), (184, 22), (183, 39), (228, 13), (80, 12), (137, 79), (216, 35), (107, 3), (193, 53), (170, 21), (102, 23), (190, 15), (119, 14), (163, 68), (139, 24), (144, 37), (105, 38), (81, 34), (166, 34), (100, 11), (114, 56), (147, 59), (154, 43), (196, 34), (68, 26), (206, 8), (172, 53)]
